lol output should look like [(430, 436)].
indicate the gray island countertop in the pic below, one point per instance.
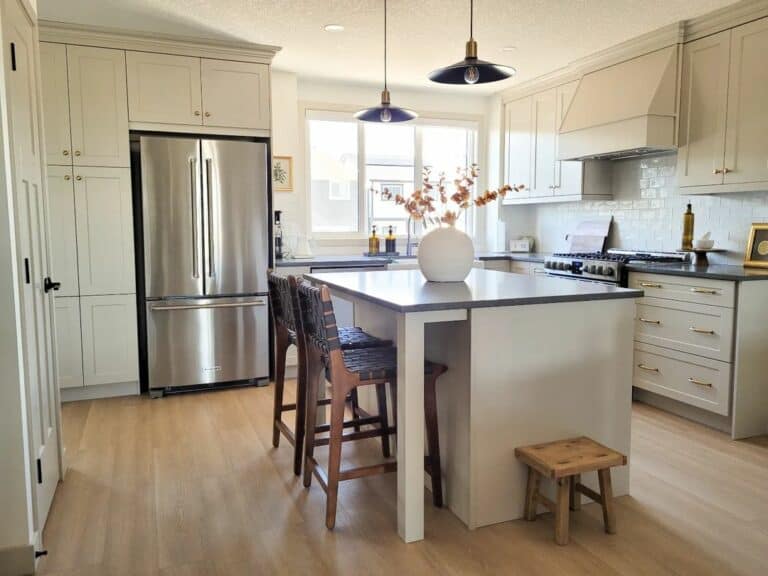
[(408, 291)]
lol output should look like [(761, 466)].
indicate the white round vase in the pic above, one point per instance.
[(446, 255)]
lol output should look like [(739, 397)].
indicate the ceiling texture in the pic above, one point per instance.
[(423, 34)]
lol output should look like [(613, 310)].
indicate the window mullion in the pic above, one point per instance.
[(363, 210)]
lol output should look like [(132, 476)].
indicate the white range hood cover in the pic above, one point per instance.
[(628, 109)]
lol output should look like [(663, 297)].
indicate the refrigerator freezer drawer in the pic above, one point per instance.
[(205, 341)]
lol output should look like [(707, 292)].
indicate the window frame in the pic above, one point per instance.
[(345, 114)]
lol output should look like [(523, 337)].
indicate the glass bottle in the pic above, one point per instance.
[(390, 242), (688, 229), (373, 243), (278, 235)]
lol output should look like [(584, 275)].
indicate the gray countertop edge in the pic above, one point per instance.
[(525, 301), (713, 272), (353, 260)]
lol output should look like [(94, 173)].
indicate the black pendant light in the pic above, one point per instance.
[(385, 112), (471, 70)]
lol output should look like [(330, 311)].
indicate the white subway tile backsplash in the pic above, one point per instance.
[(647, 207)]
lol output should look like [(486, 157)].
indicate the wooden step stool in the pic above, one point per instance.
[(564, 461)]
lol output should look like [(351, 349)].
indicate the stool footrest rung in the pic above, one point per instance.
[(589, 493), (546, 502)]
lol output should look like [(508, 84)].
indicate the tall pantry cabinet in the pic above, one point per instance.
[(86, 129)]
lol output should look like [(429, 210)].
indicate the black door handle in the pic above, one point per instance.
[(49, 285)]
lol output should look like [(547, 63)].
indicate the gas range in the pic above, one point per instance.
[(603, 267)]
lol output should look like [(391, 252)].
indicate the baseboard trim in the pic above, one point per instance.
[(17, 561), (716, 421), (102, 391)]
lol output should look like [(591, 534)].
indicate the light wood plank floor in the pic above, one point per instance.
[(190, 485)]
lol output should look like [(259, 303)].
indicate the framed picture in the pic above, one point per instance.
[(282, 173), (757, 246)]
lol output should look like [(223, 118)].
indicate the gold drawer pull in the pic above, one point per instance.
[(701, 330), (644, 367), (658, 322), (704, 291), (650, 285), (700, 383)]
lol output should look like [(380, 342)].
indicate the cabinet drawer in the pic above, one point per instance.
[(695, 290), (518, 267), (693, 328), (697, 381)]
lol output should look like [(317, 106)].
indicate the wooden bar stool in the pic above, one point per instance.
[(564, 461), (346, 370), (284, 316)]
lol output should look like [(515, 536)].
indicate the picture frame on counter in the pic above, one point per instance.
[(282, 173), (757, 246)]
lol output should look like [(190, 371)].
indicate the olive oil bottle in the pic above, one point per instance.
[(374, 245), (688, 220)]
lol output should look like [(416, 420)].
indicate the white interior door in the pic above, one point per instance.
[(32, 245)]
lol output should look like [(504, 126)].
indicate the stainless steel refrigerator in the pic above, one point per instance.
[(206, 252)]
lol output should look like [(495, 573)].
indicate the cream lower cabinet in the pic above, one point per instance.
[(723, 112), (63, 230), (110, 346), (104, 215), (69, 351)]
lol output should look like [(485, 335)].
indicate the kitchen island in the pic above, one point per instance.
[(530, 359)]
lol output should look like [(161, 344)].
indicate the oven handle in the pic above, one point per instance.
[(205, 306)]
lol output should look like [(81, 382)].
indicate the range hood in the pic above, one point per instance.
[(625, 110)]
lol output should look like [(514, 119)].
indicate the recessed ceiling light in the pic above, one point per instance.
[(333, 28), (509, 48)]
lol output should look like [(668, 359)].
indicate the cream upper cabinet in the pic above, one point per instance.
[(544, 130), (53, 71), (110, 343), (164, 88), (519, 146), (61, 200), (104, 219), (98, 106), (746, 132), (235, 94), (568, 173), (68, 343), (703, 103)]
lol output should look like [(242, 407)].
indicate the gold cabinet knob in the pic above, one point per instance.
[(77, 152), (65, 152), (66, 177), (207, 114), (78, 177), (726, 170), (197, 112), (717, 171)]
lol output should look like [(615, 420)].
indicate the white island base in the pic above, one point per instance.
[(517, 374)]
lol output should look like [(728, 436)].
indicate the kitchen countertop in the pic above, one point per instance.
[(353, 260), (731, 272), (408, 291)]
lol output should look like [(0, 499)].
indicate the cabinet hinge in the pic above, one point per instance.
[(39, 471), (27, 278), (13, 56)]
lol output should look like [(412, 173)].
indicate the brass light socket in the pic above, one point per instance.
[(471, 48), (385, 98)]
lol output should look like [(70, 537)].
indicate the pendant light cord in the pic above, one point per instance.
[(471, 19), (385, 44)]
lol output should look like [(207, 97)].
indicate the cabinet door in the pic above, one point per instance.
[(544, 127), (98, 106), (703, 103), (69, 350), (104, 230), (746, 136), (61, 198), (164, 88), (110, 344), (53, 71), (519, 148), (568, 173), (235, 94)]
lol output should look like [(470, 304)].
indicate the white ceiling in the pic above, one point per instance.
[(423, 34)]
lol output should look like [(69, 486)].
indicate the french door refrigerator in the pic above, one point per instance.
[(206, 252)]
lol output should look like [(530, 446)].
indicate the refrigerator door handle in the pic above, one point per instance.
[(203, 306), (195, 218), (209, 191)]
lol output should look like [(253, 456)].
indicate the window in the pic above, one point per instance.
[(357, 169)]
